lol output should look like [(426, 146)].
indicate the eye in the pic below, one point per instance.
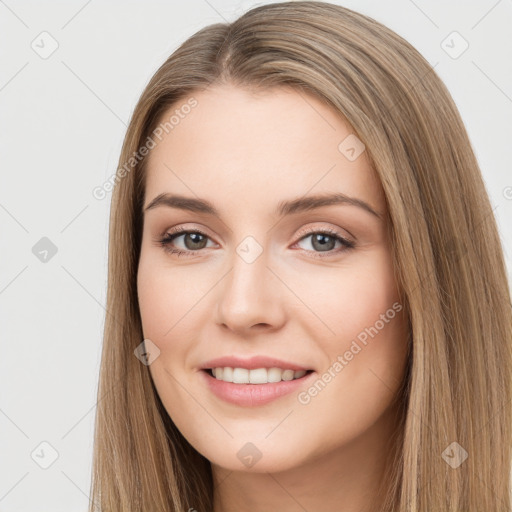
[(194, 241), (324, 240)]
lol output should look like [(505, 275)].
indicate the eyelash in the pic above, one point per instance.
[(169, 237)]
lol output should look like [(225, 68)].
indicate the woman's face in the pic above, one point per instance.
[(268, 272)]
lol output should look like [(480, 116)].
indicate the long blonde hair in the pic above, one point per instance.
[(446, 248)]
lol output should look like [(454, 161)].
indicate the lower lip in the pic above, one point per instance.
[(250, 395)]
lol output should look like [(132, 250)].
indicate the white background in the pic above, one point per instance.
[(63, 119)]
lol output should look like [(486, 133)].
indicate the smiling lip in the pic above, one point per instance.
[(250, 395)]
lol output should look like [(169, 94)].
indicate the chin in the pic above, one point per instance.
[(266, 463), (257, 456)]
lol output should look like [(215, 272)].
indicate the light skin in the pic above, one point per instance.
[(245, 153)]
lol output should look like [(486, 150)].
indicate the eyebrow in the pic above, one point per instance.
[(288, 207)]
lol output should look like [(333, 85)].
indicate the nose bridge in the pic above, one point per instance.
[(249, 295)]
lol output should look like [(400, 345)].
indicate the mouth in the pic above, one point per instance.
[(254, 387), (256, 375)]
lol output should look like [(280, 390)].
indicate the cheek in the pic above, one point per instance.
[(351, 298), (173, 308), (168, 316), (165, 296), (367, 333), (154, 299)]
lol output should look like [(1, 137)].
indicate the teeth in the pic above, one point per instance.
[(288, 375), (256, 376), (240, 376), (274, 374), (227, 374)]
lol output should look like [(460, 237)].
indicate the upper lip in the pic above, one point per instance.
[(251, 363)]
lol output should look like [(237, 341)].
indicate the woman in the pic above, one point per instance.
[(308, 300)]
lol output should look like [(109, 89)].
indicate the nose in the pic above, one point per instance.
[(251, 297)]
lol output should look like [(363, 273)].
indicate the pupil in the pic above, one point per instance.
[(196, 239), (319, 238)]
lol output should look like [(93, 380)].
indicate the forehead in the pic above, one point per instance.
[(257, 148)]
